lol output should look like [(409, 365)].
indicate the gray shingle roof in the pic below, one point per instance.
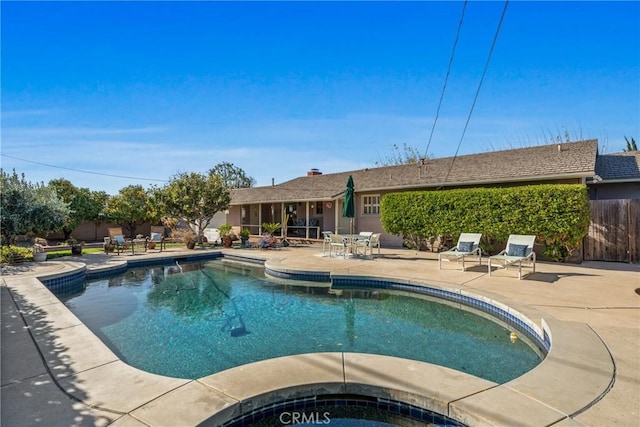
[(557, 161), (619, 166)]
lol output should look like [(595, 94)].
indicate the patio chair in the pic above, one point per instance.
[(468, 246), (519, 249), (366, 243), (157, 237), (339, 244), (116, 237), (374, 242), (326, 240)]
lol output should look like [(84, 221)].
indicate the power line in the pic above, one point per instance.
[(84, 171), (475, 98), (446, 78)]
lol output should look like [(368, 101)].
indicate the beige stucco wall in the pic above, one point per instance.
[(92, 232)]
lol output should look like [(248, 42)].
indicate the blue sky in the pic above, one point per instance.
[(150, 89)]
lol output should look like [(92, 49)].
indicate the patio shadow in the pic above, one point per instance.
[(30, 391), (552, 277)]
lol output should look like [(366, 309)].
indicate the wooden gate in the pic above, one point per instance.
[(614, 232)]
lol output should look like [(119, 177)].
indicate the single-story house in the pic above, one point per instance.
[(314, 202), (617, 176)]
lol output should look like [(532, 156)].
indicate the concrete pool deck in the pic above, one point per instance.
[(56, 372)]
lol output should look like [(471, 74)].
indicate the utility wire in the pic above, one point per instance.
[(475, 98), (446, 78), (83, 171)]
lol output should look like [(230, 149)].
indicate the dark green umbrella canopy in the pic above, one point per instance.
[(349, 208)]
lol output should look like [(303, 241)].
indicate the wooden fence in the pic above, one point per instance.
[(614, 232)]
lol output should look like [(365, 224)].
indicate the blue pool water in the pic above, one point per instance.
[(205, 318)]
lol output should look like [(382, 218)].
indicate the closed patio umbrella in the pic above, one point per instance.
[(349, 208)]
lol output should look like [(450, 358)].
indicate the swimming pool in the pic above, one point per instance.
[(200, 319)]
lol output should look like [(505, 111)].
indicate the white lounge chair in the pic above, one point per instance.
[(519, 249), (468, 246)]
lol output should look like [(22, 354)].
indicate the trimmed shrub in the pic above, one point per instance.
[(557, 214), (11, 254)]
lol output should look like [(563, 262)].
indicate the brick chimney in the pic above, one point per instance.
[(314, 172)]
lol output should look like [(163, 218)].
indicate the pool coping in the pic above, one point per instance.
[(94, 374)]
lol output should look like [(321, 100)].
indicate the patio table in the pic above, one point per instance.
[(141, 243)]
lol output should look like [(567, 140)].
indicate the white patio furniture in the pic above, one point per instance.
[(368, 243), (338, 244), (519, 249), (468, 246), (361, 241), (375, 243), (326, 241)]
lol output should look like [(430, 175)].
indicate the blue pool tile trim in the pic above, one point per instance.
[(547, 339), (305, 276), (308, 404), (97, 274), (63, 284), (171, 260), (348, 282), (244, 259)]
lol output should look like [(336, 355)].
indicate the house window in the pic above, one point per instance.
[(371, 205)]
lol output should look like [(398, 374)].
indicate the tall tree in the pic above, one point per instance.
[(156, 207), (232, 176), (28, 208), (195, 198), (128, 208), (84, 205)]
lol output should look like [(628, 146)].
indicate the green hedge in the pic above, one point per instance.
[(557, 214)]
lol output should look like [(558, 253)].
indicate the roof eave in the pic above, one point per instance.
[(255, 202), (615, 181), (581, 175)]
